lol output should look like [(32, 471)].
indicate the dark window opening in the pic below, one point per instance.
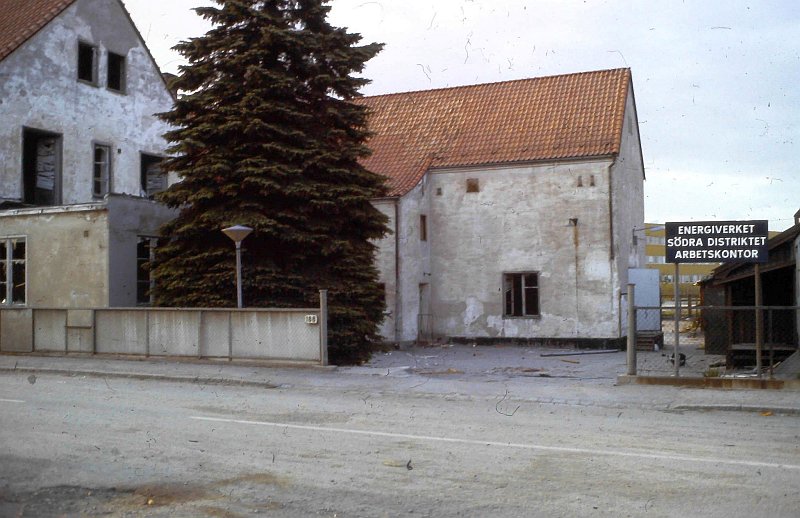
[(423, 227), (145, 253), (87, 62), (41, 168), (116, 72), (473, 185), (152, 179), (12, 270), (521, 292)]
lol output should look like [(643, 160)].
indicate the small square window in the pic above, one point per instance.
[(116, 72), (473, 185), (87, 62)]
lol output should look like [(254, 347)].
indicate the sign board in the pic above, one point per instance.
[(717, 241)]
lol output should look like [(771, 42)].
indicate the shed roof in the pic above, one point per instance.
[(546, 118), (21, 19)]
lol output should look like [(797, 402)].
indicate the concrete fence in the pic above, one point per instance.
[(296, 335)]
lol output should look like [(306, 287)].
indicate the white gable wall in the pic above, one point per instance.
[(627, 176), (39, 89), (520, 221)]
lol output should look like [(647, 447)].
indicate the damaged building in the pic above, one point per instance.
[(80, 148), (729, 299), (513, 207)]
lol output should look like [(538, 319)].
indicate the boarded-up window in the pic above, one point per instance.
[(41, 167), (521, 291), (153, 179)]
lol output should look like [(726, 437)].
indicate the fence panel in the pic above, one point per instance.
[(718, 340), (270, 334)]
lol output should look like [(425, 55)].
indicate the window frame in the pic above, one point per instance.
[(123, 76), (150, 157), (521, 275), (108, 169), (7, 258), (94, 81), (150, 243)]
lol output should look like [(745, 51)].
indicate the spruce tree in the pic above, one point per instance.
[(266, 135)]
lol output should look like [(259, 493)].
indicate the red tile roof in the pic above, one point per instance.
[(546, 118), (21, 19)]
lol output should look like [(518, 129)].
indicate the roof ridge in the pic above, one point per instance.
[(491, 83)]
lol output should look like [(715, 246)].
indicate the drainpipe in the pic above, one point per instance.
[(616, 301), (397, 311), (575, 241)]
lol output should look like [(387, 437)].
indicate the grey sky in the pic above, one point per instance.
[(716, 82)]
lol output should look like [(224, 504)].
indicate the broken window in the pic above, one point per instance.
[(101, 176), (423, 227), (115, 72), (12, 270), (145, 254), (521, 294), (153, 179), (87, 62), (41, 167)]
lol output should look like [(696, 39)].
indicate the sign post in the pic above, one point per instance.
[(719, 242)]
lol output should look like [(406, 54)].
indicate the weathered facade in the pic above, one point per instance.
[(512, 207), (80, 147)]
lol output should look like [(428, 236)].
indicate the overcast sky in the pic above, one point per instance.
[(717, 83)]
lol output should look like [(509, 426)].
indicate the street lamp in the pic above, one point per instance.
[(238, 233)]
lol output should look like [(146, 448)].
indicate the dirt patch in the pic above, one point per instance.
[(146, 500), (424, 372), (519, 371)]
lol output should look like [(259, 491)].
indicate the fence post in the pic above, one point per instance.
[(759, 319), (323, 327), (631, 332), (677, 319)]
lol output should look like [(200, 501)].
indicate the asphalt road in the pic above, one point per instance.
[(84, 446)]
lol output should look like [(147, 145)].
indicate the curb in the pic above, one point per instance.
[(739, 408), (710, 383), (144, 376)]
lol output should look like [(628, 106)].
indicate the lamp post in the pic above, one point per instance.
[(237, 233)]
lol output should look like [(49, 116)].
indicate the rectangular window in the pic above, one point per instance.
[(423, 227), (521, 291), (145, 253), (12, 270), (153, 180), (101, 176), (116, 72), (41, 167), (87, 62)]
